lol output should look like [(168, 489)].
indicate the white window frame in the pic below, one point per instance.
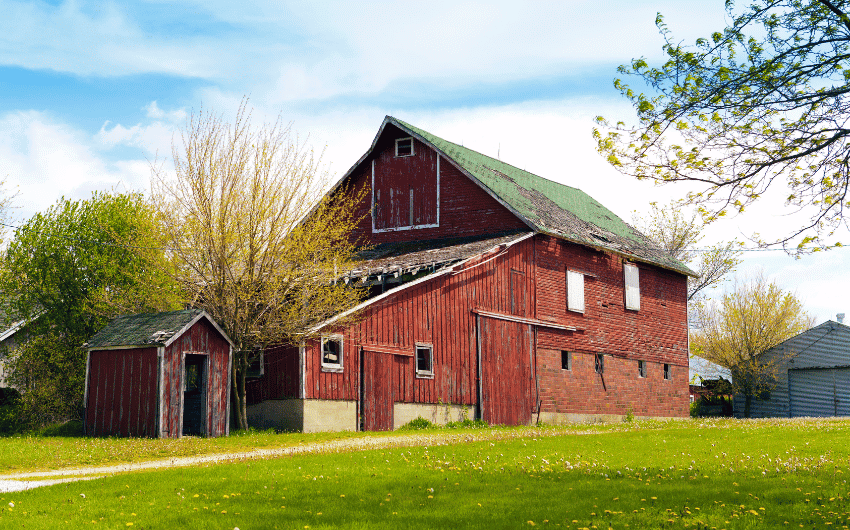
[(332, 367), (575, 291), (631, 282), (375, 200), (424, 374), (569, 357), (642, 369), (412, 146)]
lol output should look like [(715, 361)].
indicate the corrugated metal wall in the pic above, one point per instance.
[(122, 398), (823, 347)]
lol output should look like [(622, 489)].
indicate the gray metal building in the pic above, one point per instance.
[(815, 379)]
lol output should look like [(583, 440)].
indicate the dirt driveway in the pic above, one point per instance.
[(35, 479)]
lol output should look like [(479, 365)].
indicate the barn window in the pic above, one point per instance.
[(641, 368), (575, 291), (632, 281), (667, 373), (599, 364), (256, 366), (566, 360), (332, 353), (424, 360), (404, 147)]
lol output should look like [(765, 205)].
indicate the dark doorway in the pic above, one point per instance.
[(194, 394)]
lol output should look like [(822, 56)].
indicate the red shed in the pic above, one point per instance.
[(160, 375), (493, 292)]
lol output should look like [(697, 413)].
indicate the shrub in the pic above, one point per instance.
[(417, 424), (467, 424)]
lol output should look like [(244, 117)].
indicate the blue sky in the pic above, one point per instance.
[(92, 93)]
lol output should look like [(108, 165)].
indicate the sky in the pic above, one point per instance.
[(93, 94)]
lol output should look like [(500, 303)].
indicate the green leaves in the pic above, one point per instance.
[(779, 111)]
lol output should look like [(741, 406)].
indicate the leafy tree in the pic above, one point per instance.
[(680, 235), (235, 215), (763, 101), (69, 271), (737, 330)]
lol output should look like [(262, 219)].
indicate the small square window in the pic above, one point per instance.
[(332, 352), (641, 368), (599, 364), (404, 147), (566, 360), (667, 373), (424, 360)]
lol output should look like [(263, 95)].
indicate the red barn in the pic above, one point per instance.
[(161, 375), (494, 293)]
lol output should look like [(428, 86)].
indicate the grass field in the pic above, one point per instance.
[(702, 474)]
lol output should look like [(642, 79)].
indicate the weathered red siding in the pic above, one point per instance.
[(121, 397), (464, 208), (280, 376), (521, 361), (201, 338)]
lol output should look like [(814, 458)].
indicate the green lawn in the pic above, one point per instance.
[(707, 474)]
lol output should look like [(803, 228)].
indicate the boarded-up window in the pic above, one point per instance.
[(575, 291), (332, 353), (632, 280), (405, 187)]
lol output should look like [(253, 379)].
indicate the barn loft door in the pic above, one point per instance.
[(195, 376), (506, 378)]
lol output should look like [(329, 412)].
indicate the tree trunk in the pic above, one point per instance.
[(748, 399), (240, 400)]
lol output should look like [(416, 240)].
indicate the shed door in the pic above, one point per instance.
[(195, 376), (506, 378), (819, 392)]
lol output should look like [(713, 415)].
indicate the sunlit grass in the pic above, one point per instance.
[(716, 474)]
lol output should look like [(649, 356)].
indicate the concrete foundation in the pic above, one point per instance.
[(563, 418), (305, 415), (435, 413)]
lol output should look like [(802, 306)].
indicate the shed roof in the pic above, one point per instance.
[(148, 329), (544, 205)]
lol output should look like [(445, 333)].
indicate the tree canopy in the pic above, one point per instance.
[(680, 235), (236, 213), (66, 273), (746, 322), (762, 104)]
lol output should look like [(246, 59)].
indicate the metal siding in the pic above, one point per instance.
[(820, 392)]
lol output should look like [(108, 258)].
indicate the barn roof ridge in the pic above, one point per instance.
[(547, 206), (148, 329)]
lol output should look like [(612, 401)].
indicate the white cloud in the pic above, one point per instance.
[(44, 160)]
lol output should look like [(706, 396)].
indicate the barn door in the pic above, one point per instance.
[(195, 375), (377, 397), (506, 378)]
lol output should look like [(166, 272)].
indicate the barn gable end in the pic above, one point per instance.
[(493, 293)]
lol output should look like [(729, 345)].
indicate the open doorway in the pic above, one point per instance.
[(194, 394)]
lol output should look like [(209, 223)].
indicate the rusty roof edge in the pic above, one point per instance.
[(435, 274), (619, 253)]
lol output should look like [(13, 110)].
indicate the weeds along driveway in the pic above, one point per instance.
[(34, 479)]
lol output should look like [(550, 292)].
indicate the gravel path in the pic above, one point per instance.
[(24, 481)]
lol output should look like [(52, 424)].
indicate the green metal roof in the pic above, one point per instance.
[(548, 206), (146, 329)]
